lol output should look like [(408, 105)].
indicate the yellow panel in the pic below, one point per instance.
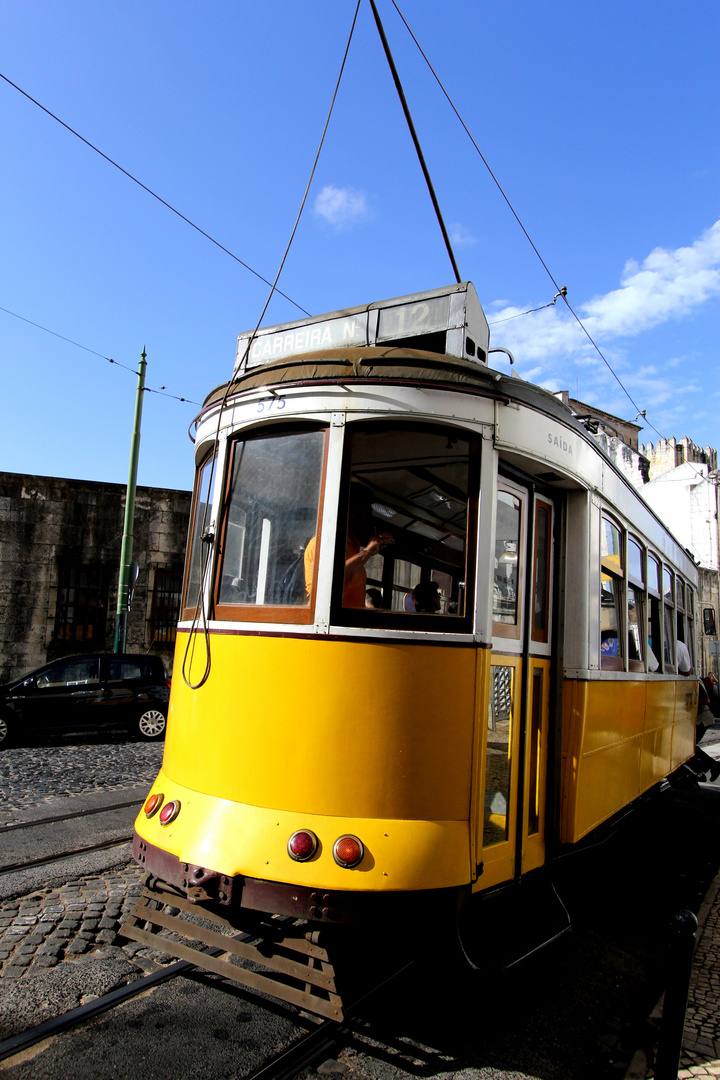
[(619, 738), (683, 742), (338, 728), (683, 745), (656, 762), (608, 781), (233, 838), (615, 713), (660, 707)]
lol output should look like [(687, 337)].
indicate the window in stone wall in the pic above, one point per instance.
[(166, 604), (81, 613)]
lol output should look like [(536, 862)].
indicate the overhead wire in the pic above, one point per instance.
[(150, 191), (561, 290), (519, 314), (151, 390), (200, 608)]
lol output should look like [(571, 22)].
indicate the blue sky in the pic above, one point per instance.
[(600, 121)]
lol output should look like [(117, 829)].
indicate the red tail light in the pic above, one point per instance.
[(302, 845), (169, 812), (348, 851), (153, 804)]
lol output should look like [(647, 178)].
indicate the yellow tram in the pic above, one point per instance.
[(429, 630)]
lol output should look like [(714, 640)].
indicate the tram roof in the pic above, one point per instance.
[(396, 364)]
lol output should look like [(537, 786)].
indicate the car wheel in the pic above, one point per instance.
[(4, 731), (150, 725)]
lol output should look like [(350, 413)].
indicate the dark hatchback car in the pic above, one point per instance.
[(87, 692)]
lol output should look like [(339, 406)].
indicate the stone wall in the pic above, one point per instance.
[(667, 454), (49, 529), (629, 461)]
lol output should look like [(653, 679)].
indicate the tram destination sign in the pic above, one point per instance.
[(450, 318)]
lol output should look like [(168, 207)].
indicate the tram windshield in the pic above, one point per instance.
[(199, 522), (408, 497), (271, 512)]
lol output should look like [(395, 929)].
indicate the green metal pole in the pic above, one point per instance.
[(123, 601)]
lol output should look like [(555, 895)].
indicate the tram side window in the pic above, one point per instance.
[(498, 763), (654, 625), (270, 517), (198, 552), (506, 607), (541, 571), (611, 595), (636, 605), (410, 512), (668, 612), (683, 619), (690, 623)]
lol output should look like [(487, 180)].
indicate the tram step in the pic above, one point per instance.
[(295, 967)]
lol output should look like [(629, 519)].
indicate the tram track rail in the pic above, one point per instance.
[(30, 864), (12, 826), (309, 1049), (120, 835)]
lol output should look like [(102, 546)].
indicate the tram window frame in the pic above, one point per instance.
[(669, 650), (385, 618), (194, 542), (654, 637), (505, 629), (636, 587), (615, 573), (296, 614), (541, 632), (683, 624), (690, 621)]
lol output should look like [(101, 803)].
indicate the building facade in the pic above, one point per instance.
[(60, 546), (683, 491)]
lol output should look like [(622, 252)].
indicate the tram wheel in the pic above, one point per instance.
[(150, 725)]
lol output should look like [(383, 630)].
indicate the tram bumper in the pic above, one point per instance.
[(202, 885), (321, 907)]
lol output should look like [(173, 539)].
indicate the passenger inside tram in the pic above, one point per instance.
[(362, 542), (426, 596)]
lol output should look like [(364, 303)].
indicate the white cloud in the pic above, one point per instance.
[(667, 285), (341, 206), (460, 236)]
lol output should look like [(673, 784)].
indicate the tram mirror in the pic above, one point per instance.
[(709, 621)]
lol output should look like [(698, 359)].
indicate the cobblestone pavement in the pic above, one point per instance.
[(34, 776), (701, 1042), (42, 929), (80, 919)]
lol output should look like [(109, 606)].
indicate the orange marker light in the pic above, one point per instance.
[(348, 851), (153, 804)]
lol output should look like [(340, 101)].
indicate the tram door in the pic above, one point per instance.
[(512, 823)]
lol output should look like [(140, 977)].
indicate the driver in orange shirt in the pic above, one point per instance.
[(361, 544)]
